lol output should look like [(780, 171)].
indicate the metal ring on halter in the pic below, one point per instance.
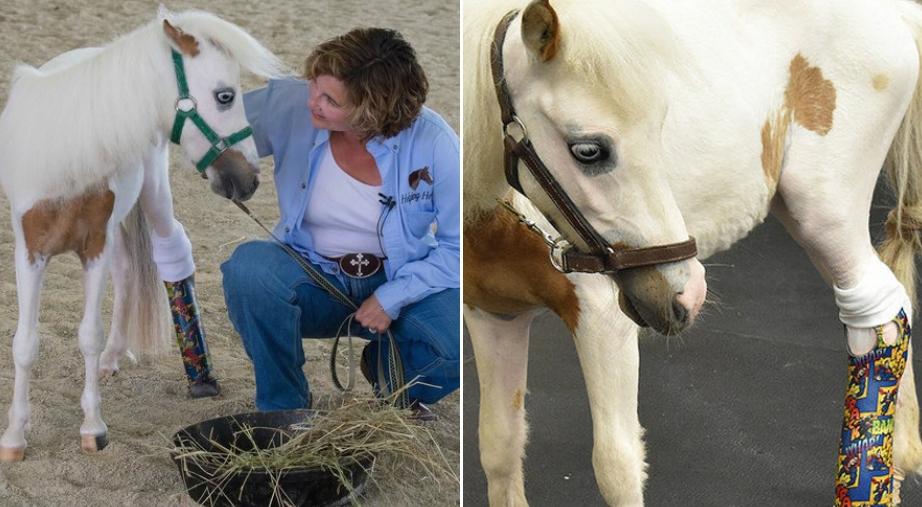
[(221, 145), (189, 98), (557, 252), (516, 121)]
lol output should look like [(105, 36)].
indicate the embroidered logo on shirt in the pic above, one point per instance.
[(420, 175)]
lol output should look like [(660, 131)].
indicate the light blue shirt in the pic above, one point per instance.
[(419, 262)]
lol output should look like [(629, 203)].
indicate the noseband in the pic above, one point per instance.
[(604, 257), (187, 109)]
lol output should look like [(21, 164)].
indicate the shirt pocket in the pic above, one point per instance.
[(418, 223)]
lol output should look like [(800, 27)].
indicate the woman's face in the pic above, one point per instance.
[(329, 103)]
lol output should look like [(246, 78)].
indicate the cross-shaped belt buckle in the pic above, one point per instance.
[(359, 261)]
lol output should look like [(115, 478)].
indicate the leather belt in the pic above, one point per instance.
[(603, 257), (359, 265)]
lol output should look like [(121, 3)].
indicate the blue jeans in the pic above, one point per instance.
[(273, 304)]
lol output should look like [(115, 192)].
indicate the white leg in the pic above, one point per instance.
[(501, 351), (93, 431), (25, 349), (606, 341), (172, 249), (117, 343)]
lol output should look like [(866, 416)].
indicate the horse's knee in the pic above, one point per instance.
[(173, 253), (620, 469), (502, 444)]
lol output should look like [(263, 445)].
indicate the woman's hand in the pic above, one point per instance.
[(372, 316)]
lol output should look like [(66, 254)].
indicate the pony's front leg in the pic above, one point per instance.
[(25, 348), (93, 431), (606, 341), (501, 350)]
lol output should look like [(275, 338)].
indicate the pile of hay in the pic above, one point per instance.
[(356, 431)]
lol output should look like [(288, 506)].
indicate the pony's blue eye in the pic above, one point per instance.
[(224, 97), (588, 153)]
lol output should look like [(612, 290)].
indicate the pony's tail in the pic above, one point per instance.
[(901, 244), (904, 174), (146, 314)]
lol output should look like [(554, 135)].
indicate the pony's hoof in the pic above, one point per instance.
[(93, 443), (12, 454), (108, 371), (206, 389)]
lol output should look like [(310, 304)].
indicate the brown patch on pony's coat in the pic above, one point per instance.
[(880, 82), (774, 132), (185, 42), (77, 224), (811, 97), (541, 29), (810, 100), (518, 399), (507, 270)]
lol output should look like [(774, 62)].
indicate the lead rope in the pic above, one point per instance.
[(394, 375)]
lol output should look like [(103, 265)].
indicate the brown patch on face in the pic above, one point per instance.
[(507, 270), (541, 29), (185, 42), (811, 97), (880, 82), (518, 399), (77, 224)]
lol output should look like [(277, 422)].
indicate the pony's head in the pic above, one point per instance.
[(209, 122), (585, 80)]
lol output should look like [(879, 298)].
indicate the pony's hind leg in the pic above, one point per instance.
[(501, 350), (117, 343), (25, 348), (93, 431), (606, 341)]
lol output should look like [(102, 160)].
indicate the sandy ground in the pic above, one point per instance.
[(144, 404)]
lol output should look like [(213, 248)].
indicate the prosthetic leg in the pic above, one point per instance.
[(173, 256), (878, 348)]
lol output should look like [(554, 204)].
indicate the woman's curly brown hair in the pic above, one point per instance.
[(385, 83)]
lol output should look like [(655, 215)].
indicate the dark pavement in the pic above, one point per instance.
[(742, 410)]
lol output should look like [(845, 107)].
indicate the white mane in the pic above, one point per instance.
[(81, 118), (622, 46)]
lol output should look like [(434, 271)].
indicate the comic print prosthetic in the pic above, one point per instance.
[(865, 466)]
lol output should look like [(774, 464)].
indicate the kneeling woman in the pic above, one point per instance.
[(368, 186)]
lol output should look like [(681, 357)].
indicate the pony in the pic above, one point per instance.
[(84, 164), (663, 120)]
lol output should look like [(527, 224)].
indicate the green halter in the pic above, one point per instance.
[(218, 144)]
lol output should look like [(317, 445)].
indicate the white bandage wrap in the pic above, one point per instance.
[(874, 300), (173, 254)]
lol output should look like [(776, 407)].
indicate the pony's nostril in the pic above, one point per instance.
[(680, 313)]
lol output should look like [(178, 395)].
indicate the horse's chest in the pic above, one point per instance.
[(507, 270), (76, 224)]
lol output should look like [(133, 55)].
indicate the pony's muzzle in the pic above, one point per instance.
[(234, 177), (648, 299)]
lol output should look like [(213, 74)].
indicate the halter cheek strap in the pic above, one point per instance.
[(602, 257), (187, 109)]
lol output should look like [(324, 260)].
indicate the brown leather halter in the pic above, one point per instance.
[(603, 258)]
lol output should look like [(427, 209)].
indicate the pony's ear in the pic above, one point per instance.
[(541, 29), (185, 42)]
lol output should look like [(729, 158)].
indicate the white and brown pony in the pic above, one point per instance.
[(84, 164), (661, 120)]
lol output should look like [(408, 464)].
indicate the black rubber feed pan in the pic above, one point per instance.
[(303, 487)]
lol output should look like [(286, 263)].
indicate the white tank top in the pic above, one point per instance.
[(342, 212)]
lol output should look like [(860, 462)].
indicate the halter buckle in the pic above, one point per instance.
[(558, 251), (190, 101), (518, 123)]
